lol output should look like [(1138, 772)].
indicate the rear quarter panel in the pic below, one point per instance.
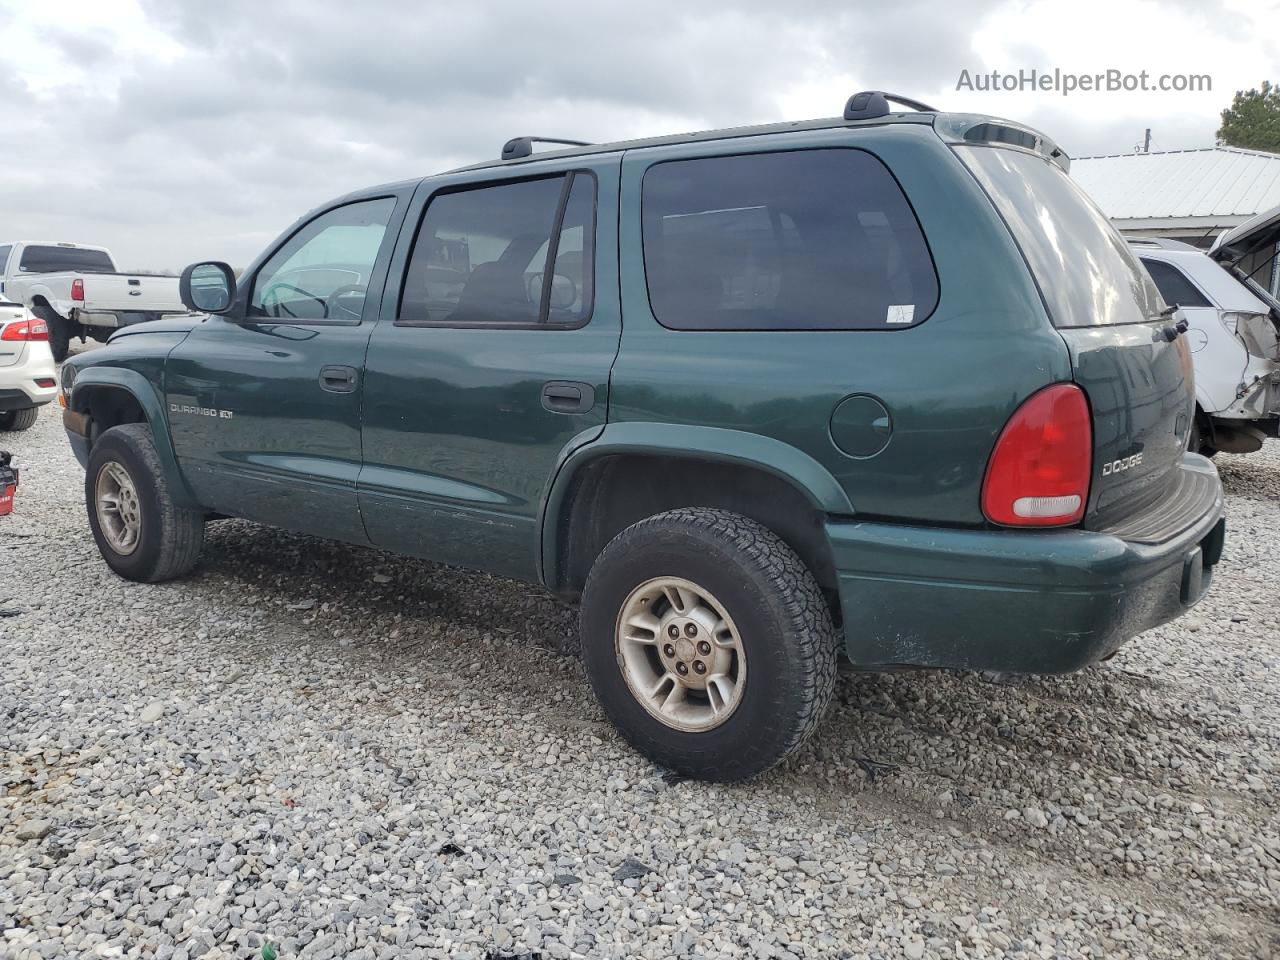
[(950, 383)]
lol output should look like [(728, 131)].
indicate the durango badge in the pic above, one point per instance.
[(200, 411), (1121, 465)]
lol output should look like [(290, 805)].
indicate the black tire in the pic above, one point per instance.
[(60, 332), (170, 537), (790, 644), (23, 419), (1196, 441)]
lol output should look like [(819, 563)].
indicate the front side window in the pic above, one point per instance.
[(322, 272), (481, 255), (802, 240), (1174, 285)]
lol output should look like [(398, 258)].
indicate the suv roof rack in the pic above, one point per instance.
[(870, 104), (518, 147)]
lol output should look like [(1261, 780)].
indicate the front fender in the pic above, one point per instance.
[(715, 444), (144, 392)]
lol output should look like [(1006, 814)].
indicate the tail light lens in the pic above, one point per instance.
[(1038, 475), (26, 330), (77, 290)]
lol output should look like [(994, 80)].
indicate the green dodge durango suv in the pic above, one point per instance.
[(886, 386)]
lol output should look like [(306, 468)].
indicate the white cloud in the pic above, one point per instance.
[(173, 130)]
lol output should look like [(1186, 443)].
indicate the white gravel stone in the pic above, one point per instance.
[(151, 713), (353, 755)]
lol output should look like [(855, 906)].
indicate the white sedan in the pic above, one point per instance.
[(28, 376)]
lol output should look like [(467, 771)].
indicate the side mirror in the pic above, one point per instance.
[(564, 292), (208, 287)]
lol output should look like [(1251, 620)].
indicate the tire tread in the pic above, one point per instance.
[(181, 530), (793, 586), (23, 419)]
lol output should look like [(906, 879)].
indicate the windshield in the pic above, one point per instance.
[(51, 259), (1088, 275)]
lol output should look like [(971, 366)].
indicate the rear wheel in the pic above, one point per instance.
[(139, 530), (708, 643), (1197, 438), (23, 419), (61, 330)]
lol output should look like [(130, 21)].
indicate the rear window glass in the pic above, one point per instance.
[(47, 259), (802, 240), (1174, 285), (1085, 269)]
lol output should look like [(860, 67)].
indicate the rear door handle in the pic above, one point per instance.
[(338, 379), (568, 396)]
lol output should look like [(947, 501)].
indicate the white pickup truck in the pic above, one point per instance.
[(77, 292)]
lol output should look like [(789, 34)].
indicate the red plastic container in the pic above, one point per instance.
[(8, 483)]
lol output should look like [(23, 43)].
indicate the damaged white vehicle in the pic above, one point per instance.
[(1233, 330)]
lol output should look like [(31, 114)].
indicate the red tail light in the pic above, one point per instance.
[(26, 330), (77, 290), (1038, 475)]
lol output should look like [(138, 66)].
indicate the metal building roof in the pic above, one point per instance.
[(1210, 187)]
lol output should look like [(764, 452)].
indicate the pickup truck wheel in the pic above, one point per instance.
[(23, 419), (708, 643), (60, 332), (141, 534)]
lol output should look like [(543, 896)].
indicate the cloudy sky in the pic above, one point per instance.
[(176, 130)]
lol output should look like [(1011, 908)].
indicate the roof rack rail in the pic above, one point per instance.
[(870, 104), (518, 147)]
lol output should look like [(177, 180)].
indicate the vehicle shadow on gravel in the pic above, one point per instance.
[(926, 721)]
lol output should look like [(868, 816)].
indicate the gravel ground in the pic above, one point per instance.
[(341, 753)]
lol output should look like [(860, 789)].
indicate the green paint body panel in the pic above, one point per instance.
[(459, 450), (1034, 602), (135, 365), (446, 451)]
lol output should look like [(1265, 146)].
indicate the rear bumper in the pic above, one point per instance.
[(24, 396), (1017, 601), (19, 388), (118, 318)]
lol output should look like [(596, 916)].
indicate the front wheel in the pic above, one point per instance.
[(708, 643), (139, 530), (23, 419)]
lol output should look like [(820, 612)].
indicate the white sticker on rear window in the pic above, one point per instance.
[(900, 313)]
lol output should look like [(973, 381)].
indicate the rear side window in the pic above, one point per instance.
[(1086, 271), (49, 259), (481, 255), (1174, 285), (801, 240), (4, 256)]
